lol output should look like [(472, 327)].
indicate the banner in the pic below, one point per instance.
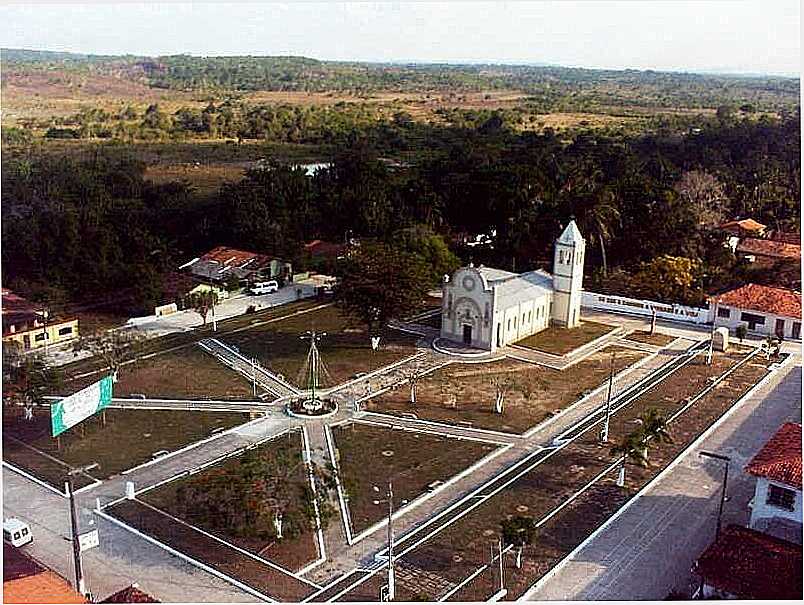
[(75, 408)]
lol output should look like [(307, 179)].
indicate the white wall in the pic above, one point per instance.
[(769, 327), (762, 510), (636, 306)]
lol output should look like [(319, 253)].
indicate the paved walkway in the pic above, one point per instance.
[(649, 550)]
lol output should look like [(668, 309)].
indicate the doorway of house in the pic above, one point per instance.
[(467, 334)]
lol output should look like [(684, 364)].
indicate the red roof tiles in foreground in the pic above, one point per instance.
[(751, 565), (766, 299), (771, 248), (130, 594), (746, 224), (231, 256), (26, 581), (780, 458)]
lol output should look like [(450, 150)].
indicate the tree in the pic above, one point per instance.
[(379, 283), (431, 249), (113, 347), (599, 219), (203, 302), (413, 374), (30, 379), (502, 385), (669, 279), (630, 446), (741, 331), (654, 429), (518, 532), (705, 194)]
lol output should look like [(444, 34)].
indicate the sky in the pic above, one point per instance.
[(723, 36)]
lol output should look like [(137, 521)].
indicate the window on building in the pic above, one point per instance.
[(781, 497), (752, 320), (561, 256), (796, 332), (65, 331), (40, 337), (725, 313)]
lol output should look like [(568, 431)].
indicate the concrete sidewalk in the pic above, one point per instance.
[(649, 550)]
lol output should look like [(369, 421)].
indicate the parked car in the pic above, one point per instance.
[(16, 532), (264, 287)]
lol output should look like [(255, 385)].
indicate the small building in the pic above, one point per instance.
[(27, 581), (747, 564), (755, 249), (130, 594), (776, 508), (31, 327), (223, 264), (763, 309), (489, 308), (746, 227)]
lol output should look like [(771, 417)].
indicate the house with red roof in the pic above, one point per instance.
[(754, 248), (747, 564), (30, 326), (762, 309), (223, 264), (744, 227), (25, 580), (777, 508)]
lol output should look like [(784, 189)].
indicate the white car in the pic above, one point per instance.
[(264, 287), (16, 532)]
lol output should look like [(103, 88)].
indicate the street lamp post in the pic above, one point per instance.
[(711, 350), (79, 572), (390, 500), (604, 433), (725, 459)]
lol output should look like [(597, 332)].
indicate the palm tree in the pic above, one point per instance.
[(654, 427), (599, 218), (519, 532), (631, 446)]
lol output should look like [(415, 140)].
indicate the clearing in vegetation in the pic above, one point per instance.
[(371, 455), (465, 393), (463, 547), (126, 439), (560, 341), (345, 349)]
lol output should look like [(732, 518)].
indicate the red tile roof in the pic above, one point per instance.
[(771, 248), (26, 581), (130, 594), (766, 299), (231, 256), (786, 236), (746, 224), (751, 565), (780, 458), (318, 247)]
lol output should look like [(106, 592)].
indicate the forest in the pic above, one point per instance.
[(92, 225)]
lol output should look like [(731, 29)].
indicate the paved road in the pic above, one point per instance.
[(649, 550)]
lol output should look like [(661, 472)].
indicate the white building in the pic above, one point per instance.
[(762, 309), (490, 308), (776, 508)]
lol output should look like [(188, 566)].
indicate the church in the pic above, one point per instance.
[(489, 308)]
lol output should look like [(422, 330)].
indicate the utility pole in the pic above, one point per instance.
[(391, 590), (253, 377), (711, 350), (604, 433), (725, 459), (79, 572)]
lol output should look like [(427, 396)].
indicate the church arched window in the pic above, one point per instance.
[(560, 257)]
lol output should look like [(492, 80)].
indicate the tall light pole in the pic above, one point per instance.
[(79, 572), (725, 459), (711, 350), (390, 500), (45, 314), (604, 433)]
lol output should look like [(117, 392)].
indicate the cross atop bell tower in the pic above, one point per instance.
[(568, 277)]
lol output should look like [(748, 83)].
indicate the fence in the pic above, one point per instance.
[(635, 306)]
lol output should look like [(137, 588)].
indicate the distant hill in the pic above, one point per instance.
[(248, 73)]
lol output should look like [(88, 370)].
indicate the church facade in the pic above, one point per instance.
[(489, 308)]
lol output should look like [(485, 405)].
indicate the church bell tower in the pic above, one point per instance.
[(568, 277)]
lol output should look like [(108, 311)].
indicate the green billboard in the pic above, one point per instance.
[(81, 405)]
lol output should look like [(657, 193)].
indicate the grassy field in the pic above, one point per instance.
[(463, 547), (129, 438), (345, 350), (372, 455), (560, 341), (189, 373), (464, 393), (293, 551)]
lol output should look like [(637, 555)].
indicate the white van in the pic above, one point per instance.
[(16, 532), (264, 287)]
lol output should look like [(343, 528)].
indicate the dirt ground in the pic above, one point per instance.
[(129, 438), (345, 349), (292, 553), (656, 338), (372, 455), (464, 393), (560, 341)]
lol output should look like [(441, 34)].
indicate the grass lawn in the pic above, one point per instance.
[(470, 386), (294, 551), (660, 340), (560, 341), (463, 547), (372, 455), (345, 350), (129, 438), (188, 373)]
